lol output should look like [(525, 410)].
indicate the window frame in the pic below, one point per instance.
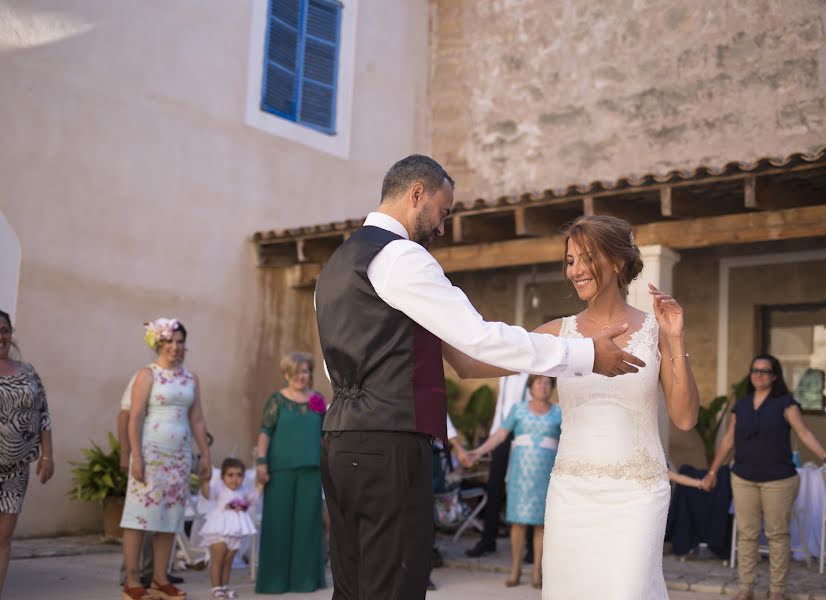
[(302, 36), (765, 314), (337, 144)]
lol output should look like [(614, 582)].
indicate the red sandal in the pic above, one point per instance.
[(166, 592), (135, 593)]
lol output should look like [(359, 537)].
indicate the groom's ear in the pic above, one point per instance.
[(416, 194)]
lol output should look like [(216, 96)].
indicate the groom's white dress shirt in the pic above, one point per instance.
[(407, 277)]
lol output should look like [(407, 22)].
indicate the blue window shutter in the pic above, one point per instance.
[(301, 70), (281, 67)]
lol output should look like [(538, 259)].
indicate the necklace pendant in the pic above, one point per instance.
[(605, 327)]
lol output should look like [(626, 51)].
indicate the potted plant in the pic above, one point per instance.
[(476, 418), (99, 478), (711, 417)]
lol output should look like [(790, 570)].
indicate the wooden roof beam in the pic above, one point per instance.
[(318, 249), (634, 209), (752, 227), (676, 202), (278, 254), (474, 228), (544, 220), (762, 194), (687, 203)]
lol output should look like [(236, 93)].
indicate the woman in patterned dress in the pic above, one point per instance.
[(25, 435), (164, 417), (288, 458), (536, 426)]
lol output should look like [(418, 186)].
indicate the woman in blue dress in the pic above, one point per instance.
[(536, 426)]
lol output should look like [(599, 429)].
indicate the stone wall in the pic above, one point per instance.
[(532, 94)]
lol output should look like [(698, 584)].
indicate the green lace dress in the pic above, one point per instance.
[(291, 555)]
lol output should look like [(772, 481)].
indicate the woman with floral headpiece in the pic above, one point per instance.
[(164, 416)]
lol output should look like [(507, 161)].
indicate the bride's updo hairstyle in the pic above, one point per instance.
[(603, 235)]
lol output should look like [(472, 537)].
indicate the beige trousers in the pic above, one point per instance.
[(756, 503)]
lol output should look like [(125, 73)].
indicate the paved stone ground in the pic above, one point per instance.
[(77, 545), (83, 567), (92, 577), (696, 573)]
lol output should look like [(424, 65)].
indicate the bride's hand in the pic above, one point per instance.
[(668, 312)]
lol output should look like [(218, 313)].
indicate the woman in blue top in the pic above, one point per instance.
[(536, 426), (764, 481)]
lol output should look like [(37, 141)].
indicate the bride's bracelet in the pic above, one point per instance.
[(686, 355)]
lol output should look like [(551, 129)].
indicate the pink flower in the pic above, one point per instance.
[(316, 403)]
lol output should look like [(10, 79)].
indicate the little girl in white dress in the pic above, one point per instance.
[(229, 505)]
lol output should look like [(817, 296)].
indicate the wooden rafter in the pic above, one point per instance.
[(763, 194), (793, 223)]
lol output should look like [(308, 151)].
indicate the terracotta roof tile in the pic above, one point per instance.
[(649, 179)]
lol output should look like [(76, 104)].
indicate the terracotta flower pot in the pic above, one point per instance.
[(112, 512)]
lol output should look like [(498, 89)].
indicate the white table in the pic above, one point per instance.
[(809, 505)]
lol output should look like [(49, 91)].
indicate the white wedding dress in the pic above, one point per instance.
[(608, 496)]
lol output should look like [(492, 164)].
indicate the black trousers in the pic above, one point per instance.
[(379, 494), (496, 494), (496, 489)]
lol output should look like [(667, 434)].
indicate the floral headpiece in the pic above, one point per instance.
[(159, 330)]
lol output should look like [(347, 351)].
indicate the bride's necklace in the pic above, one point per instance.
[(605, 326)]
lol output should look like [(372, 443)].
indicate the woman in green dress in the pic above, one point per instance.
[(291, 557)]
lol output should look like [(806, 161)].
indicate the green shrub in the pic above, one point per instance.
[(475, 420), (99, 476)]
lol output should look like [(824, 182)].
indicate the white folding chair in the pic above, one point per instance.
[(182, 546), (471, 520)]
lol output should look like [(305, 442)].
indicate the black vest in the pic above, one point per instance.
[(386, 370)]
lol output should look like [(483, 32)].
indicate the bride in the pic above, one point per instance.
[(608, 496)]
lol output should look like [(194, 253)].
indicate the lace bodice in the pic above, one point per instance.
[(609, 425)]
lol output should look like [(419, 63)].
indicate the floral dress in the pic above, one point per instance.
[(159, 502), (532, 457)]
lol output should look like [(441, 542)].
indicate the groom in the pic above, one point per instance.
[(384, 309)]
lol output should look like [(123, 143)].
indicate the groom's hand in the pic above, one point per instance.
[(609, 359)]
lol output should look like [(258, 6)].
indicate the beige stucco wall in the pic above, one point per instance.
[(9, 266), (134, 185), (531, 94)]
